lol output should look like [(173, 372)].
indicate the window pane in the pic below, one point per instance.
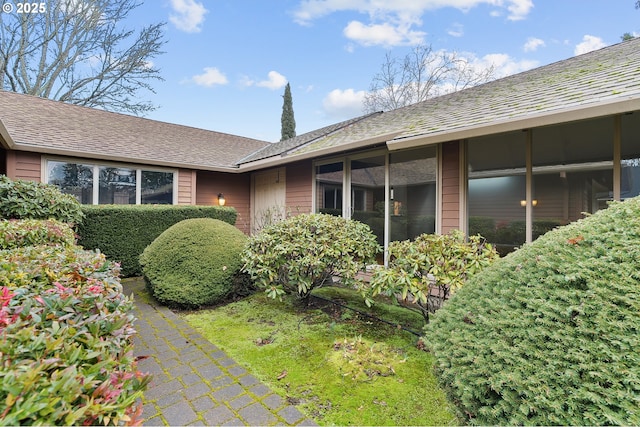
[(329, 188), (157, 188), (367, 193), (412, 177), (72, 178), (497, 185), (630, 182), (117, 186), (572, 172)]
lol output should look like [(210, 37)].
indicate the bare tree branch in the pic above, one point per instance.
[(78, 52), (422, 74)]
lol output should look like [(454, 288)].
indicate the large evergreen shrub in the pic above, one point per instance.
[(20, 199), (193, 262), (306, 251), (550, 335)]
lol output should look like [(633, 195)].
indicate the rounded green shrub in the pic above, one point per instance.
[(28, 199), (193, 262), (306, 251), (550, 334)]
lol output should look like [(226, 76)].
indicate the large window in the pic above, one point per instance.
[(412, 177), (329, 178), (111, 184), (573, 169), (72, 178), (393, 193), (497, 189), (367, 180), (630, 162), (117, 186), (572, 172)]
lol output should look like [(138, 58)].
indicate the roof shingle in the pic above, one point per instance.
[(38, 124)]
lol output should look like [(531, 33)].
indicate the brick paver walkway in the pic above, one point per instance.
[(194, 382)]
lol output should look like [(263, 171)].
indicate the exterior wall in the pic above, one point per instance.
[(236, 189), (450, 215), (23, 165), (299, 187), (186, 187)]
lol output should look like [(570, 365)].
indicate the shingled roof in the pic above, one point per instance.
[(602, 82), (599, 83), (42, 125)]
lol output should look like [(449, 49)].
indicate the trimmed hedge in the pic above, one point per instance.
[(550, 334), (29, 199), (65, 340), (16, 233), (122, 232), (193, 262)]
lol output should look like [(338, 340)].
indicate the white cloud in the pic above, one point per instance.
[(533, 44), (274, 81), (456, 30), (394, 23), (211, 77), (188, 16), (588, 44), (519, 9), (343, 104), (382, 34)]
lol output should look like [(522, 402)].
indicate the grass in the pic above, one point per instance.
[(337, 366)]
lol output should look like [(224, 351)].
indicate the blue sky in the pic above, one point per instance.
[(226, 62)]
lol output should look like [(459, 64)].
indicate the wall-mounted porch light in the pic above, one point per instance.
[(523, 203), (221, 200)]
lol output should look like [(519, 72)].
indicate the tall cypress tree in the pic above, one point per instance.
[(288, 129)]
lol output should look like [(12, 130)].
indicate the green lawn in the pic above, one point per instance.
[(339, 367)]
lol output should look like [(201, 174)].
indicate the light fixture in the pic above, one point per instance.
[(221, 200), (534, 202)]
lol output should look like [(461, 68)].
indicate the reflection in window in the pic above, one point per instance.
[(412, 177), (630, 179), (157, 188), (572, 172), (117, 186), (329, 188), (497, 185), (72, 178), (367, 193), (630, 183)]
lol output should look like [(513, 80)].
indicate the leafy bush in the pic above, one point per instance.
[(29, 199), (193, 262), (549, 335), (424, 272), (306, 251), (30, 232), (122, 232), (65, 340)]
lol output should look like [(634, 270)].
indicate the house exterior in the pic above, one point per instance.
[(509, 159)]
